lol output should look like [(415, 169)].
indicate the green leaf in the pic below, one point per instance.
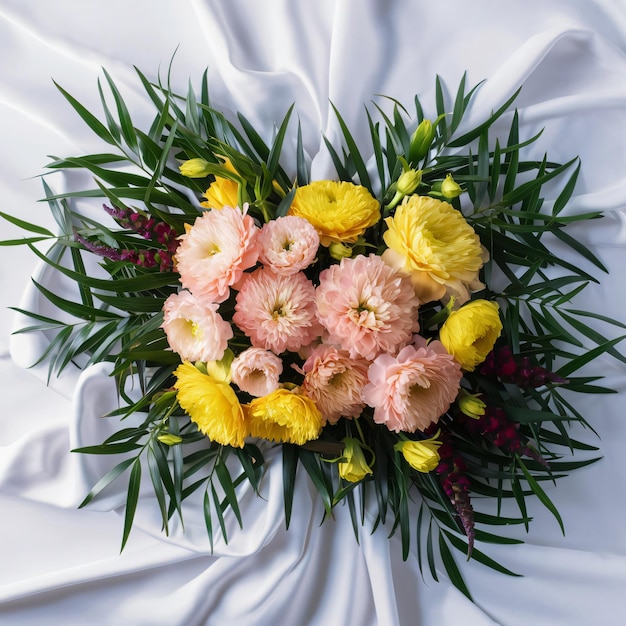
[(290, 465), (479, 556), (106, 480), (541, 494), (468, 137), (226, 482), (33, 228), (583, 359), (96, 125), (354, 152), (452, 568)]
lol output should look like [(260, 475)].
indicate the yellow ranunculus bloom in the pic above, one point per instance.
[(355, 467), (470, 333), (423, 455), (430, 241), (339, 211), (221, 192), (212, 405), (284, 416)]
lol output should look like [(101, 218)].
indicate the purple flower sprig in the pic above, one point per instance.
[(518, 370), (452, 472), (147, 227)]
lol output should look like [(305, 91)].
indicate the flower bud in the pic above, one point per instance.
[(195, 168), (409, 181), (169, 439), (421, 140), (423, 455), (471, 405), (355, 467), (339, 250), (450, 188)]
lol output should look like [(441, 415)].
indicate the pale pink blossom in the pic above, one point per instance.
[(195, 330), (413, 390), (256, 371), (288, 244), (366, 306), (335, 382), (277, 312), (215, 252)]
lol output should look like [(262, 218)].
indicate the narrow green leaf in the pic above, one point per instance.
[(290, 465), (33, 228), (226, 482), (98, 127), (106, 480), (354, 152), (479, 556), (452, 568), (541, 494)]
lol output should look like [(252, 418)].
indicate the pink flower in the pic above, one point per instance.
[(195, 330), (413, 390), (256, 371), (215, 251), (288, 244), (335, 382), (366, 306), (277, 312)]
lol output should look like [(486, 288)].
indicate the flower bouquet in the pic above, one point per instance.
[(403, 331)]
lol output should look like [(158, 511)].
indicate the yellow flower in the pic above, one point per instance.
[(471, 405), (195, 168), (212, 405), (284, 416), (221, 192), (423, 455), (355, 467), (339, 211), (470, 333), (430, 241)]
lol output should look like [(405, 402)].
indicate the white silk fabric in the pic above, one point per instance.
[(62, 565)]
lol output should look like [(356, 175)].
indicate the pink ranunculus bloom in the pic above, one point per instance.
[(335, 382), (256, 371), (215, 252), (277, 312), (288, 244), (194, 329), (413, 390), (366, 306)]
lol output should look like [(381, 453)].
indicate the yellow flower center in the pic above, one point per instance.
[(195, 330), (213, 249)]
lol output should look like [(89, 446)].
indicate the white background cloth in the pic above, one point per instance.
[(61, 565)]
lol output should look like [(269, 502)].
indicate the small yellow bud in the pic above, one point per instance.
[(195, 168), (421, 140), (409, 181), (422, 455), (355, 467), (169, 440), (471, 405), (450, 188), (339, 250)]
